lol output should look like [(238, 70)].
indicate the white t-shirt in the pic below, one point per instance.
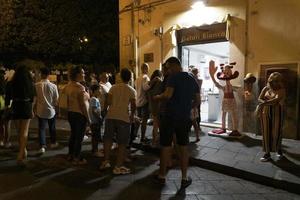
[(121, 94), (47, 98), (104, 88), (142, 85)]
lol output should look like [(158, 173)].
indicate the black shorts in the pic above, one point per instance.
[(21, 110), (170, 127), (143, 111)]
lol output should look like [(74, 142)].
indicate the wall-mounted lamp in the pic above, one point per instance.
[(158, 31)]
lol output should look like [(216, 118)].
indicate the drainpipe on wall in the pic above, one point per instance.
[(133, 43), (246, 37)]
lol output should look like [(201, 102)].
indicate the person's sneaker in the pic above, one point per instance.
[(121, 170), (105, 165), (1, 144), (186, 182), (85, 138), (54, 145), (42, 150), (279, 155), (265, 158), (98, 154)]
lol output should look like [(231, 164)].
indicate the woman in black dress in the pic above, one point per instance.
[(21, 94)]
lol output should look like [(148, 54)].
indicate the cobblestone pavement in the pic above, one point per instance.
[(51, 176)]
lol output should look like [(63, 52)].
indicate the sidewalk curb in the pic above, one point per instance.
[(231, 171)]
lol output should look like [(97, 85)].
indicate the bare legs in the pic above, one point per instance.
[(196, 129), (5, 131), (22, 127), (143, 128), (165, 157), (107, 149), (223, 120), (121, 151), (234, 120)]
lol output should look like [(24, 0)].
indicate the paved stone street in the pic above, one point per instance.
[(51, 176), (239, 157)]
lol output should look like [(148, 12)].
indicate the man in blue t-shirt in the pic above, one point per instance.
[(182, 93)]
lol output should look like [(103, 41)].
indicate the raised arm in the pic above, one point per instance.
[(212, 72)]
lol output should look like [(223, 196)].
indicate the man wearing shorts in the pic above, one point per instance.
[(182, 93), (143, 84), (121, 102)]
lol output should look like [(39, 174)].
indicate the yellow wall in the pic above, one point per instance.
[(179, 12), (274, 32), (262, 31)]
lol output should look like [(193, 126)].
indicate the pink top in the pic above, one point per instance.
[(75, 91)]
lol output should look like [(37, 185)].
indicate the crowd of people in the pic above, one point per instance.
[(120, 110), (171, 97)]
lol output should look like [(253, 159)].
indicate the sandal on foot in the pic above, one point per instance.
[(121, 170), (105, 165)]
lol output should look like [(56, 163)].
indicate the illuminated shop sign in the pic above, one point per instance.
[(203, 34)]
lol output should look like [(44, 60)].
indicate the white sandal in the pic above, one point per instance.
[(121, 170)]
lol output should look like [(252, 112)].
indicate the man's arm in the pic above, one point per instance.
[(196, 101), (167, 94), (56, 96), (108, 101), (83, 106)]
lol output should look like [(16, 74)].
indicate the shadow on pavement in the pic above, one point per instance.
[(286, 165), (59, 179)]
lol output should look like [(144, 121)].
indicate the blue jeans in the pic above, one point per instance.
[(42, 130), (78, 124)]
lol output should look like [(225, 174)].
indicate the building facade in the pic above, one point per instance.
[(261, 36)]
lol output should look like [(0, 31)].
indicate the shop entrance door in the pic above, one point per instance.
[(199, 55)]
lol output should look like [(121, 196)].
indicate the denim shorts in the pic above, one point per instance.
[(117, 129)]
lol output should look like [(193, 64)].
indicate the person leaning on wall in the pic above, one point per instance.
[(270, 110)]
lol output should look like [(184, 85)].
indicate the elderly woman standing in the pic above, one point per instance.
[(270, 110), (78, 115)]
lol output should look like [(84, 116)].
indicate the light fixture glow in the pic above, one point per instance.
[(198, 5)]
